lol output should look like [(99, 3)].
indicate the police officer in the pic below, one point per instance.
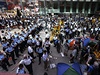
[(39, 50), (19, 44), (22, 47), (4, 44), (20, 69), (30, 51), (45, 60), (10, 52), (4, 61), (16, 50), (27, 61)]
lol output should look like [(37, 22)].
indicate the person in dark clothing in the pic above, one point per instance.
[(18, 13), (10, 53), (45, 73), (39, 50), (58, 46), (4, 61), (61, 38)]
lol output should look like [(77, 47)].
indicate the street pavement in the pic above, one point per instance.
[(39, 69)]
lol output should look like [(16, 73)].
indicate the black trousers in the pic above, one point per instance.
[(13, 56), (4, 64), (40, 55), (31, 54), (16, 51), (48, 49), (22, 47), (29, 68), (58, 47)]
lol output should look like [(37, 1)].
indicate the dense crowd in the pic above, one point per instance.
[(74, 27)]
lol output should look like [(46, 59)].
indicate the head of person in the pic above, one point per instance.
[(44, 51), (25, 56), (20, 66), (38, 35), (67, 41), (46, 32)]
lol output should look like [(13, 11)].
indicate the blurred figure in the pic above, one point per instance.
[(47, 45), (20, 69), (27, 61), (4, 61), (39, 50), (45, 73), (45, 59)]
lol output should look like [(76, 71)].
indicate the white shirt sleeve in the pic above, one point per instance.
[(30, 50), (17, 70), (21, 62)]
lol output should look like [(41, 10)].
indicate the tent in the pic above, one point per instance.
[(65, 69), (86, 41)]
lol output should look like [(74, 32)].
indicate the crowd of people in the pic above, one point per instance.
[(78, 28), (73, 27)]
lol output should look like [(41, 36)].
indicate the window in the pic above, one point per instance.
[(68, 0), (42, 4), (80, 6), (94, 0), (87, 7), (74, 5), (81, 0), (88, 0), (62, 6), (48, 5), (55, 3), (74, 0), (68, 7), (98, 8), (93, 7)]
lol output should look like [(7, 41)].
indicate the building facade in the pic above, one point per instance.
[(69, 6)]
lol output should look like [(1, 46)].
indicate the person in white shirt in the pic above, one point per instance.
[(45, 59), (27, 61), (30, 51), (47, 45), (47, 35), (37, 42)]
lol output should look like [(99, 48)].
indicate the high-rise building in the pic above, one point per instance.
[(69, 6)]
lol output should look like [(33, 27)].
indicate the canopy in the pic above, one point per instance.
[(65, 69)]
